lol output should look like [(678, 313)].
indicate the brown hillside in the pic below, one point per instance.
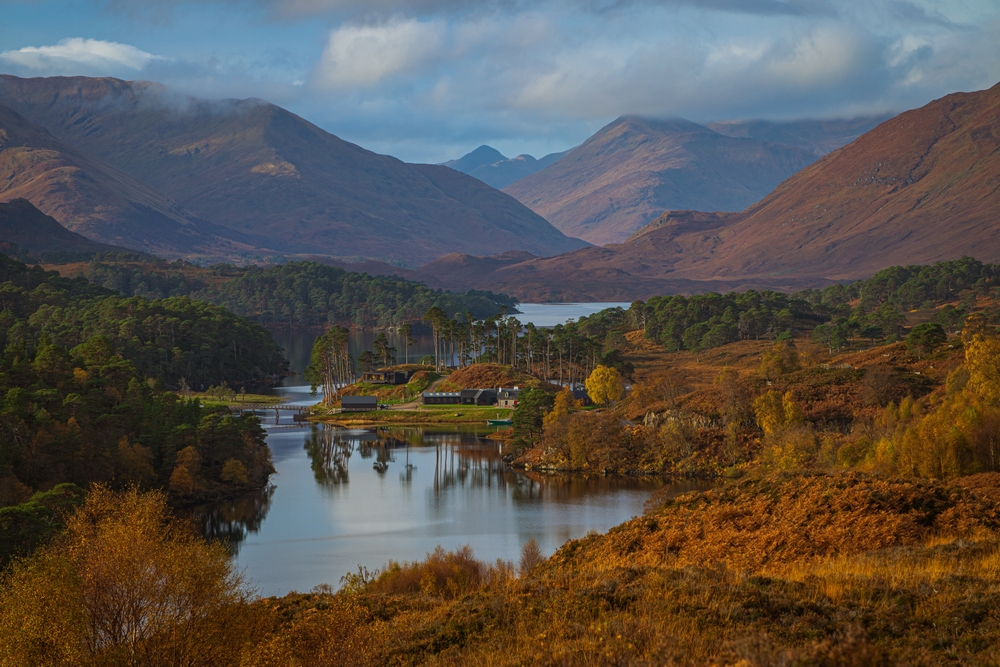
[(628, 173), (32, 230), (920, 188), (258, 169), (95, 199)]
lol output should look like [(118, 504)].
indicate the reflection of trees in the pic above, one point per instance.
[(530, 487), (232, 520), (329, 451), (458, 464)]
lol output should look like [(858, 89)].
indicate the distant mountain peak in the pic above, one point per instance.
[(491, 167), (482, 156), (654, 126)]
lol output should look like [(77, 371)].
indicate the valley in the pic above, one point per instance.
[(687, 393)]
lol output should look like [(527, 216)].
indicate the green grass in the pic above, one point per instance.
[(239, 399), (431, 414)]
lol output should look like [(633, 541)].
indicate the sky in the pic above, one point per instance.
[(430, 80)]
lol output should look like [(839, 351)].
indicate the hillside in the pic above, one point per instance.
[(919, 188), (260, 170), (95, 199), (633, 169), (31, 230), (491, 167)]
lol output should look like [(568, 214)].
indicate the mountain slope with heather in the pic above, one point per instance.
[(634, 169), (92, 198), (262, 171), (920, 188)]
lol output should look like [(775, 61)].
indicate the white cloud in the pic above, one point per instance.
[(362, 56), (77, 55)]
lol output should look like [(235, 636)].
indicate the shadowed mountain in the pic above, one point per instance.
[(491, 167), (816, 136), (29, 229), (259, 170), (632, 170), (921, 187), (93, 198)]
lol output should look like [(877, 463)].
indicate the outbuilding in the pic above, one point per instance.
[(387, 377), (359, 403), (442, 398), (479, 397)]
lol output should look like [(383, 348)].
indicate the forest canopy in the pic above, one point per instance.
[(84, 397), (296, 293)]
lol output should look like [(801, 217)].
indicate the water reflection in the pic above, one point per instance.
[(329, 452), (333, 510), (231, 521)]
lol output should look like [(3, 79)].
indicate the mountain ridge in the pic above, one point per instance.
[(921, 187), (97, 200), (634, 168), (259, 170)]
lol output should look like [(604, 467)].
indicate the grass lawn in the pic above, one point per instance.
[(431, 414), (239, 399)]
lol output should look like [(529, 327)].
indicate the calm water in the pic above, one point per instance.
[(330, 510)]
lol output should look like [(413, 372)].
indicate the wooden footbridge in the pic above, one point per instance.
[(301, 411)]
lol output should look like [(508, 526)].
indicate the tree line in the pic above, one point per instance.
[(84, 396), (872, 308), (293, 294)]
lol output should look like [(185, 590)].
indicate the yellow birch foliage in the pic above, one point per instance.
[(560, 408), (605, 385), (125, 585), (982, 360), (782, 358)]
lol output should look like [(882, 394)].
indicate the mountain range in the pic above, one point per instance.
[(921, 187), (491, 167), (634, 169), (93, 198), (251, 175)]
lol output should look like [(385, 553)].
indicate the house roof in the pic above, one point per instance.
[(359, 400)]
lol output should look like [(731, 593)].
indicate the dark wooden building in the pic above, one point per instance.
[(387, 377), (442, 398), (359, 403), (479, 397), (582, 397)]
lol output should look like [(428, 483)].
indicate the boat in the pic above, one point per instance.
[(499, 422)]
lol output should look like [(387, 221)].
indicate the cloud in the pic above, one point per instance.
[(77, 55), (362, 56)]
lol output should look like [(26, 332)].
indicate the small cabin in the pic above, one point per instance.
[(507, 398), (386, 377), (442, 398), (582, 397), (479, 397), (359, 403)]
